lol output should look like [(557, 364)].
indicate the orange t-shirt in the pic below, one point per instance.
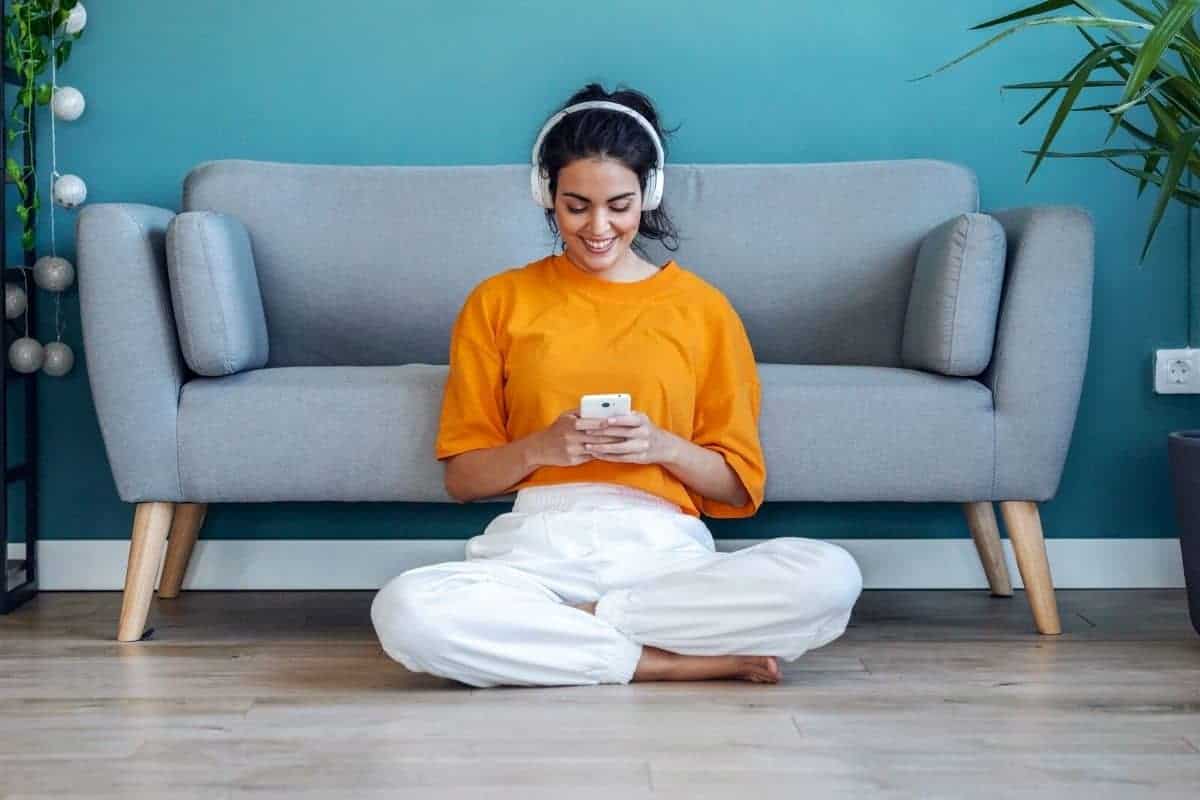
[(529, 341)]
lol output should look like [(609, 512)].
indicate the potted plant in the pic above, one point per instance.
[(1153, 54)]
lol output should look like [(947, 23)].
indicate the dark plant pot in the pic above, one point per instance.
[(1183, 449)]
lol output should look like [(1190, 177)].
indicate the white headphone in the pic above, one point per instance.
[(539, 181)]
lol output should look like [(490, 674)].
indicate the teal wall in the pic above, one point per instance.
[(373, 82)]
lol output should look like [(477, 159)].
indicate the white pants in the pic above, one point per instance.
[(504, 617)]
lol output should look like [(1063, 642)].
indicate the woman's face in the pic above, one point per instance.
[(598, 205)]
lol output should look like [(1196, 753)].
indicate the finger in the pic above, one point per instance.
[(618, 448), (621, 433), (626, 458), (595, 439), (588, 424), (625, 420)]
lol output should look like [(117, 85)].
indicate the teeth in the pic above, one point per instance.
[(599, 244)]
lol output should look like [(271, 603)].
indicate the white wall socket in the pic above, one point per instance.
[(1177, 371)]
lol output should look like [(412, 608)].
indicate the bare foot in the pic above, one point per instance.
[(663, 665), (657, 664)]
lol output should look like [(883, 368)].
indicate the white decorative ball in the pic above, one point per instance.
[(69, 191), (59, 359), (26, 354), (53, 273), (15, 301), (67, 103), (76, 19)]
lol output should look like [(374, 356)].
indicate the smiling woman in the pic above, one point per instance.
[(604, 572)]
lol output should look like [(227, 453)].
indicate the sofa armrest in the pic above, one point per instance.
[(1040, 354), (134, 363)]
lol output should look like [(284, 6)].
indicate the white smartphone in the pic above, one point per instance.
[(600, 406)]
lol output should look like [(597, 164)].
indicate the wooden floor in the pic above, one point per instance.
[(930, 694)]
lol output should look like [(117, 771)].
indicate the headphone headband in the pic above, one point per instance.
[(540, 184)]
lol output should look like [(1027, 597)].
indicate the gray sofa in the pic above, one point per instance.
[(361, 270)]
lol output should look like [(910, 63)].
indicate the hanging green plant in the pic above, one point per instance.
[(32, 29)]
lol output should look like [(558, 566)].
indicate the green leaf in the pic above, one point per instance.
[(1111, 152), (62, 53), (44, 91), (23, 213), (1184, 195), (13, 169), (1141, 11), (1060, 84), (1048, 95), (12, 135), (27, 240), (1030, 11), (1146, 92), (1170, 181), (1150, 166), (1156, 43), (1168, 128), (1095, 22), (1064, 107)]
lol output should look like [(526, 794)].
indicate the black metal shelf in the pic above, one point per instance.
[(20, 578)]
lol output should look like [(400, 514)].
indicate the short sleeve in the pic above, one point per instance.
[(728, 400), (473, 413)]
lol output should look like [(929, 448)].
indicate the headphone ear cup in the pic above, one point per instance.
[(539, 186), (652, 197)]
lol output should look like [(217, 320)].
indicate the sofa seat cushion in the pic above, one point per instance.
[(860, 433), (312, 433), (366, 433)]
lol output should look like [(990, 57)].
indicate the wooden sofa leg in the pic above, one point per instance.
[(981, 519), (1024, 526), (185, 527), (151, 521)]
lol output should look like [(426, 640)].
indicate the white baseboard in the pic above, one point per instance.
[(90, 564)]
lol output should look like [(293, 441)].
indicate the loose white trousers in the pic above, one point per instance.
[(504, 616)]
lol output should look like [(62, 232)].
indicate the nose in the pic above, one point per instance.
[(598, 222)]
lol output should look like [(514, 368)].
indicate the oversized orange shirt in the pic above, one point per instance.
[(530, 341)]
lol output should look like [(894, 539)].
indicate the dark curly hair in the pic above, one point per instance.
[(601, 132)]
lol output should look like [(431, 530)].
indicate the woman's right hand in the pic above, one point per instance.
[(561, 444)]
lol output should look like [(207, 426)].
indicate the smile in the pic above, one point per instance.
[(599, 245)]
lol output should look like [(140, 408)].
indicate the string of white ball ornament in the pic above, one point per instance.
[(52, 273)]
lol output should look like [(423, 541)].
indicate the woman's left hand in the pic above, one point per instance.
[(643, 441)]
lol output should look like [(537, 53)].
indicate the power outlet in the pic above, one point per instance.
[(1177, 371)]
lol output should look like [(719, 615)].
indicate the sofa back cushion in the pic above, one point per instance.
[(368, 265), (955, 298), (215, 295)]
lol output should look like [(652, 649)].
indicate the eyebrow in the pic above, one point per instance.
[(614, 197)]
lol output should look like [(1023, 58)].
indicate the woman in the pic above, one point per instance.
[(603, 572)]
